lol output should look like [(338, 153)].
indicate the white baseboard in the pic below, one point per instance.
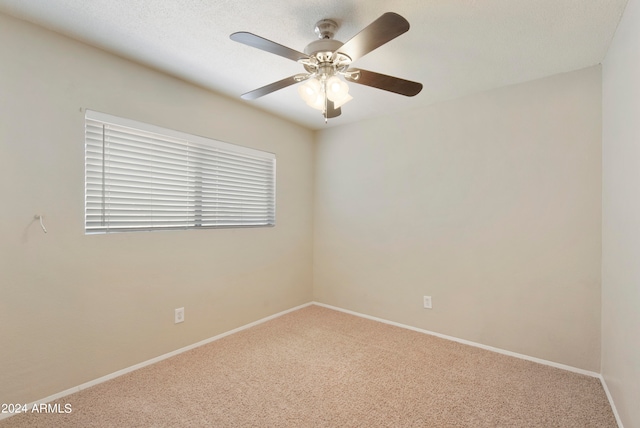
[(153, 360), (466, 342), (610, 398)]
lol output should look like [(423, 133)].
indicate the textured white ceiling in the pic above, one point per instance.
[(454, 47)]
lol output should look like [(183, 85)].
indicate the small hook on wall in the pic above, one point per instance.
[(41, 217)]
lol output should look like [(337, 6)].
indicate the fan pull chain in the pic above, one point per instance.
[(324, 92)]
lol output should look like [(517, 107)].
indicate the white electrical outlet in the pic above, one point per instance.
[(179, 315), (427, 302)]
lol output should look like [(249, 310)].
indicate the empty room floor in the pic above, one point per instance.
[(317, 367)]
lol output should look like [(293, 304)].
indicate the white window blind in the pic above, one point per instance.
[(140, 177)]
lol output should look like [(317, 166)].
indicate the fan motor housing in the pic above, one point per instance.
[(322, 45)]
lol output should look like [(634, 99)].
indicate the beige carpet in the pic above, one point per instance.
[(320, 368)]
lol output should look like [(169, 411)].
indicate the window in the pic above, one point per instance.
[(140, 177)]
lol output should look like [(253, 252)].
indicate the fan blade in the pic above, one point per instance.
[(261, 43), (382, 30), (272, 87), (332, 111), (384, 82)]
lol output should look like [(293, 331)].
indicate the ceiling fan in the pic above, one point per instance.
[(326, 59)]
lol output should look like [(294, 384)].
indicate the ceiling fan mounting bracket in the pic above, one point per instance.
[(326, 28)]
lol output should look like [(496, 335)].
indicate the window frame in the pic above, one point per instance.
[(193, 144)]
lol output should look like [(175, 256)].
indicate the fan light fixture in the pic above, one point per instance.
[(317, 92)]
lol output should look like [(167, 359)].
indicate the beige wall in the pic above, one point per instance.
[(491, 204), (75, 307), (621, 218)]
